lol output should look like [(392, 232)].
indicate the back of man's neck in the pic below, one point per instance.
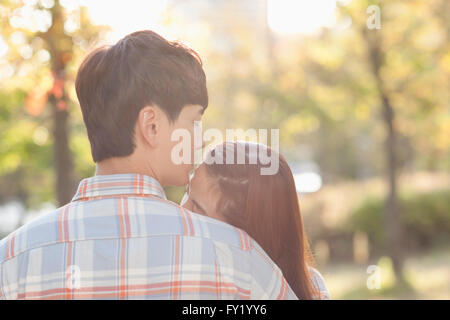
[(118, 166)]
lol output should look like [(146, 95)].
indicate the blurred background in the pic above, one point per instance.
[(359, 90)]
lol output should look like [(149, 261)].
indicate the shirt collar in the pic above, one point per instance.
[(118, 184)]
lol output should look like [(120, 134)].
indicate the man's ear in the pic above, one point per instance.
[(148, 124)]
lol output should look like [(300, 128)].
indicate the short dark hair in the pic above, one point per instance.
[(115, 82)]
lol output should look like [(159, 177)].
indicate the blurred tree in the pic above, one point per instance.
[(44, 40), (376, 60), (60, 47), (397, 37)]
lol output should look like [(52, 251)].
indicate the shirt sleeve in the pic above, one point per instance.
[(2, 295), (268, 282), (319, 284)]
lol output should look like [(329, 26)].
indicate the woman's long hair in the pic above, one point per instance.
[(267, 208)]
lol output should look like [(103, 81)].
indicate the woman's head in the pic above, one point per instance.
[(265, 206)]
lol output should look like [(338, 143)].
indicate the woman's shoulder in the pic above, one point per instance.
[(319, 284)]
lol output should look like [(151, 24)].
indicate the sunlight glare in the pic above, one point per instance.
[(307, 182), (300, 16), (3, 47), (126, 17)]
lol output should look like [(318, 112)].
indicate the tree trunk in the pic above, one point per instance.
[(60, 48), (393, 225), (62, 155), (392, 216)]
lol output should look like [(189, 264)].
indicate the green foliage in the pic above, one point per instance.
[(425, 216), (27, 130), (175, 194), (428, 216)]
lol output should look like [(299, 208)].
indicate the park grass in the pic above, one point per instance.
[(427, 276)]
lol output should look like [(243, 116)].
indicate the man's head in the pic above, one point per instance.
[(134, 94)]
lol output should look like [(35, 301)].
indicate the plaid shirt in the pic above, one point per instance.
[(120, 238)]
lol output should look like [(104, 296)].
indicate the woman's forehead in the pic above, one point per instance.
[(201, 185)]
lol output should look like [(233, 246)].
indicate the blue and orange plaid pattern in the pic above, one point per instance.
[(120, 238)]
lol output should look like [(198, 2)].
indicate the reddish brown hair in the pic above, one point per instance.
[(115, 82), (267, 208)]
